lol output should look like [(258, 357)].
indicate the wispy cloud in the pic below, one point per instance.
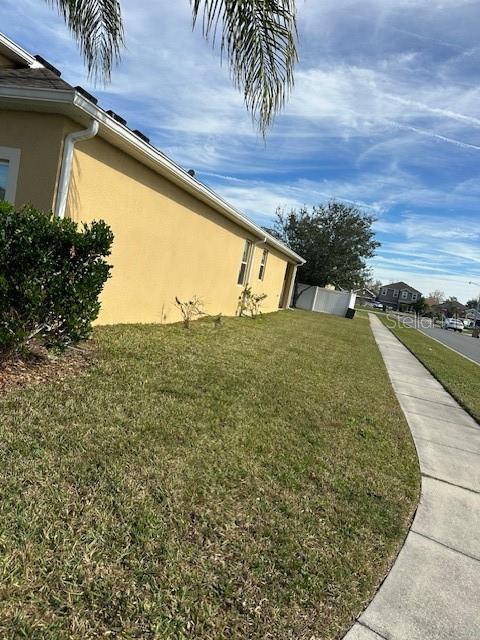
[(384, 115)]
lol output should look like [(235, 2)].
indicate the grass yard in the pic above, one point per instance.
[(459, 376), (250, 481)]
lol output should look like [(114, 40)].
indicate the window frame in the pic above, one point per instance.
[(263, 264), (395, 293), (245, 263), (12, 156), (404, 295), (383, 291), (414, 297)]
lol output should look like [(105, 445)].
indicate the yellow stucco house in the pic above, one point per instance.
[(173, 235)]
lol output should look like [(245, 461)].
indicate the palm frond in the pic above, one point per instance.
[(97, 27), (259, 39)]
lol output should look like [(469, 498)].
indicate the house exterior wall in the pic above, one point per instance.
[(389, 296), (396, 297), (167, 242), (39, 136)]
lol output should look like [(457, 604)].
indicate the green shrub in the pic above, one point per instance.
[(51, 274)]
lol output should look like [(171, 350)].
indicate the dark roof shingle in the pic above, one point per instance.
[(35, 78), (401, 286)]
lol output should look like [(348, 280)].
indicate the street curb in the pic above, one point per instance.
[(434, 375), (447, 347)]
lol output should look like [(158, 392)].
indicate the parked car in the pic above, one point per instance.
[(377, 305), (453, 323)]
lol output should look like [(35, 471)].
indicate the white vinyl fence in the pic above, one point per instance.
[(324, 300)]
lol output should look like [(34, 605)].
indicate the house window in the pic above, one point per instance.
[(414, 296), (384, 292), (395, 293), (9, 163), (247, 252), (263, 264), (404, 294)]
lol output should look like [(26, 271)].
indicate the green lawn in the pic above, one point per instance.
[(250, 481), (459, 376)]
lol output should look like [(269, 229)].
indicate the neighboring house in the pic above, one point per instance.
[(173, 235), (473, 314), (473, 317), (449, 308), (365, 296), (399, 296)]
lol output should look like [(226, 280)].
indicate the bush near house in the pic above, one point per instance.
[(51, 274)]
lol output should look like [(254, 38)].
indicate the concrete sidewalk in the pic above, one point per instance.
[(433, 589)]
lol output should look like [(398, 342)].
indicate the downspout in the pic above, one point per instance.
[(66, 168), (290, 289)]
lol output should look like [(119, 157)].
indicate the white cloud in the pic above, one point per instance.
[(384, 114)]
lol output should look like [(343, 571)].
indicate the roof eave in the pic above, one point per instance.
[(17, 53), (75, 105)]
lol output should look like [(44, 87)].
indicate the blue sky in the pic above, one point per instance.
[(385, 114)]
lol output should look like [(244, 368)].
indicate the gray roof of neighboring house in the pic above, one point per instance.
[(449, 303), (35, 78), (401, 286)]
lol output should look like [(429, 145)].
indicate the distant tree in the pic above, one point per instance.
[(450, 307), (373, 285), (437, 296), (420, 306), (472, 304), (336, 240)]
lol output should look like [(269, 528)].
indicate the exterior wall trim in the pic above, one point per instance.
[(292, 284), (314, 301), (74, 105)]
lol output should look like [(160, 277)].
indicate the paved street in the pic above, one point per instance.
[(431, 593), (462, 342)]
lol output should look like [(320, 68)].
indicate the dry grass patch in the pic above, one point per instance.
[(249, 481), (40, 366)]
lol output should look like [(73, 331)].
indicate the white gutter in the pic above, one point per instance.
[(174, 172), (18, 53), (292, 284), (161, 163), (66, 170)]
